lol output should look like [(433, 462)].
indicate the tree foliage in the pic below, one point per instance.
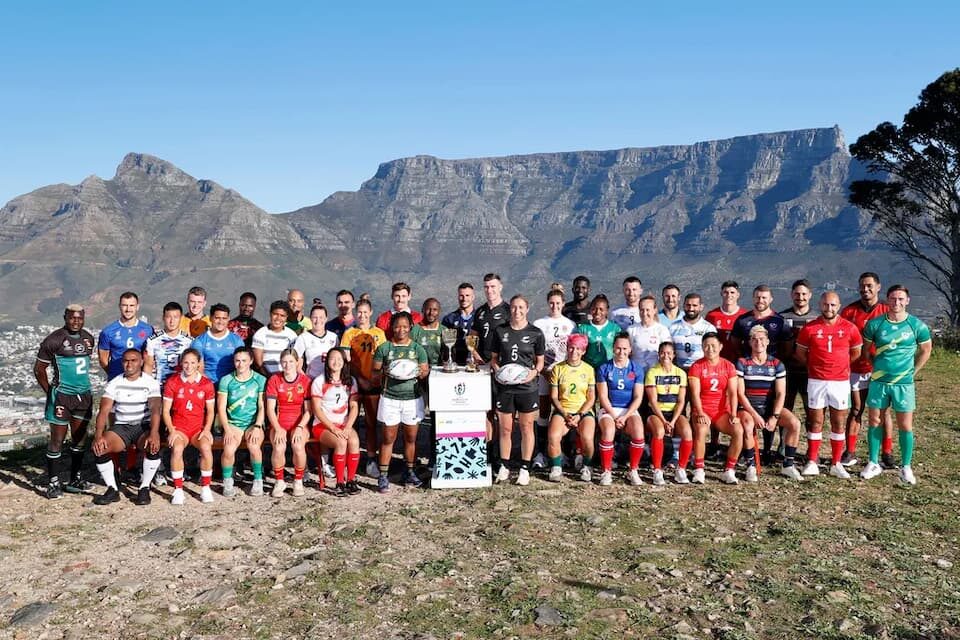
[(915, 197)]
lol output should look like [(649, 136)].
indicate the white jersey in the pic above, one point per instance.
[(334, 398), (131, 398), (625, 317), (313, 349), (556, 331), (688, 340), (645, 343), (166, 351), (272, 343)]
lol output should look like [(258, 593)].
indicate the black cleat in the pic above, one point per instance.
[(54, 489), (108, 496), (848, 459), (340, 490), (353, 488), (887, 461), (143, 497), (77, 485)]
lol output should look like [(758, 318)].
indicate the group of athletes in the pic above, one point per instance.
[(664, 382)]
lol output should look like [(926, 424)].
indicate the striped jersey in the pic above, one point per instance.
[(131, 398)]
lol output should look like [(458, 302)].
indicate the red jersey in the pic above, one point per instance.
[(828, 348), (290, 397), (713, 384), (858, 315), (724, 323), (190, 400), (383, 321)]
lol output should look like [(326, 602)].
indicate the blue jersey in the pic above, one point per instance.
[(217, 354), (620, 382), (117, 338)]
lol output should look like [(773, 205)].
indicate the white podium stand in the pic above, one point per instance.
[(461, 401)]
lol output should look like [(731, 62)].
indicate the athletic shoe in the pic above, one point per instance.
[(586, 474), (729, 477), (634, 478), (766, 458), (383, 484), (539, 461), (848, 459), (556, 474), (680, 476), (298, 488), (791, 472), (578, 462), (159, 479), (751, 474), (606, 479), (699, 476), (523, 478), (328, 470), (340, 490), (838, 471), (143, 497), (229, 490), (658, 480), (256, 489), (410, 479), (503, 474), (206, 494), (108, 496), (887, 461), (278, 488), (353, 488), (178, 497), (373, 469), (871, 470), (77, 485), (54, 489), (906, 475), (811, 469)]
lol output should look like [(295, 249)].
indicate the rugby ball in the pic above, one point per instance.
[(511, 374), (403, 369)]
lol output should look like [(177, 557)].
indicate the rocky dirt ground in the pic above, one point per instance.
[(822, 559)]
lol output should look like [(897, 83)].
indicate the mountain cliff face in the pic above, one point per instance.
[(536, 217)]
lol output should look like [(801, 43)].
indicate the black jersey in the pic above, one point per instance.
[(777, 331), (795, 322), (520, 346), (69, 354), (579, 316), (485, 320)]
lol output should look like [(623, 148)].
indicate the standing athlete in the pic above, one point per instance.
[(556, 328), (344, 319), (578, 309), (461, 319), (217, 345), (796, 317), (724, 317), (647, 335), (245, 325), (629, 314), (161, 356), (297, 322), (400, 294), (69, 401), (670, 312), (128, 332), (270, 341), (763, 314), (195, 322)]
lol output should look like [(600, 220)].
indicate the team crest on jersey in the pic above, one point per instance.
[(525, 340), (819, 333), (67, 346), (79, 348), (200, 394), (299, 388), (631, 376)]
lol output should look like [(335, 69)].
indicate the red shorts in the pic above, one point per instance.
[(722, 412), (319, 428), (190, 434)]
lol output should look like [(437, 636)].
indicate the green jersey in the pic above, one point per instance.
[(601, 338), (70, 356), (241, 398), (896, 345), (430, 339), (387, 353)]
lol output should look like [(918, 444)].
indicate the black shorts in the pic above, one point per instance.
[(509, 401), (129, 433), (796, 384), (61, 407)]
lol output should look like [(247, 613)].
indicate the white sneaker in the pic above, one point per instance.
[(606, 479), (872, 470), (578, 462), (159, 478), (256, 489), (523, 478), (658, 480), (810, 469), (539, 461), (586, 474), (838, 471), (680, 476), (298, 488), (699, 476), (178, 497), (278, 488), (906, 475), (634, 478), (503, 474), (206, 494), (751, 474), (228, 489), (729, 477), (373, 470), (328, 470), (556, 474), (791, 472)]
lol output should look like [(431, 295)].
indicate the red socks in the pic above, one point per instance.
[(656, 453), (636, 452), (852, 443), (205, 477), (813, 446), (353, 461), (339, 465), (278, 473), (683, 457), (887, 446), (298, 474), (606, 455), (837, 443)]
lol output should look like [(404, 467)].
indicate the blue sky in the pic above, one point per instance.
[(288, 102)]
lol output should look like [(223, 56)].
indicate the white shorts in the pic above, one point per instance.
[(393, 412), (828, 393), (859, 381), (617, 412)]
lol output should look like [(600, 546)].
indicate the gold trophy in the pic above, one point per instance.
[(449, 338), (472, 342)]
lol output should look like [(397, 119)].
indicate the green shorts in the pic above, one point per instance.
[(902, 397), (62, 407)]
